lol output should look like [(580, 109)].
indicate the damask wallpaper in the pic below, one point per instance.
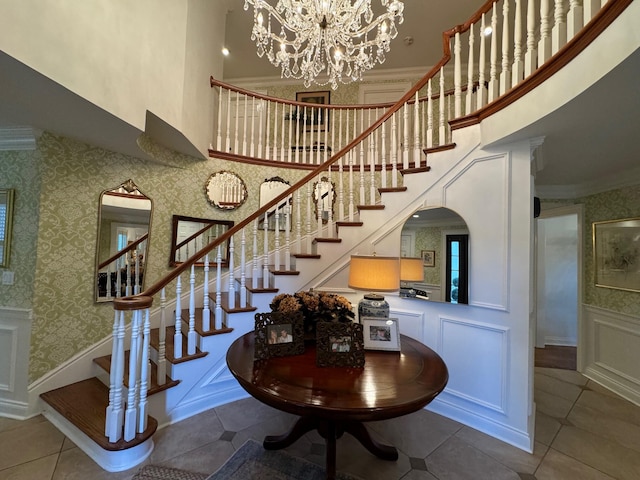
[(611, 205)]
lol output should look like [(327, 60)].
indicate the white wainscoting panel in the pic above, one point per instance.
[(612, 347), (411, 323), (15, 328), (479, 375)]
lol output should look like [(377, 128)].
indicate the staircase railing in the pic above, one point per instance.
[(371, 146)]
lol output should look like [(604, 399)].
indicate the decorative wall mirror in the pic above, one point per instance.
[(270, 189), (190, 234), (325, 191), (124, 222), (225, 190), (6, 220), (440, 239)]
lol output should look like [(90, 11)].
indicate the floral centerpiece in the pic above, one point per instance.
[(315, 307)]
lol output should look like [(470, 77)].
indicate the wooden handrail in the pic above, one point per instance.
[(124, 251)]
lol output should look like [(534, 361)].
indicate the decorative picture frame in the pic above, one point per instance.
[(317, 122), (381, 334), (6, 222), (278, 334), (616, 254), (428, 258), (339, 345)]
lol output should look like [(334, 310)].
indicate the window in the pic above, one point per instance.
[(457, 269)]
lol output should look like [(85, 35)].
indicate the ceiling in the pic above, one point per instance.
[(588, 142)]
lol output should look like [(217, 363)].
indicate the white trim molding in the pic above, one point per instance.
[(18, 138)]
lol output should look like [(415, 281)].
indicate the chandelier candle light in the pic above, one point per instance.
[(341, 37)]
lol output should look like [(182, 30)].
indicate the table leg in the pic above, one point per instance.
[(331, 435), (302, 426), (360, 432)]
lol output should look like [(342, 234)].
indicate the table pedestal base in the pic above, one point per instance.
[(331, 430)]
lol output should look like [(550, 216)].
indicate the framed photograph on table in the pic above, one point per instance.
[(339, 345), (381, 334), (616, 254), (428, 258), (316, 118), (278, 334)]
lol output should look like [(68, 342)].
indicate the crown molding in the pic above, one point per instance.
[(18, 138), (628, 178)]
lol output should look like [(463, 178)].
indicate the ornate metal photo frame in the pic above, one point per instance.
[(339, 345), (278, 335)]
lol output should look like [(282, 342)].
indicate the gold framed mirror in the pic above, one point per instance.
[(225, 190), (124, 223), (6, 221)]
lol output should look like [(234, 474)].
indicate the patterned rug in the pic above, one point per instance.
[(249, 462)]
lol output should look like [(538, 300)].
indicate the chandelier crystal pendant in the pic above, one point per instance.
[(308, 37)]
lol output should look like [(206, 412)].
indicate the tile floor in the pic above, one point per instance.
[(582, 432)]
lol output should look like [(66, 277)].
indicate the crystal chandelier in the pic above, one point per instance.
[(341, 37)]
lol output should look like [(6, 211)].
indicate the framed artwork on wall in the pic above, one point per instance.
[(616, 254), (318, 120), (428, 258)]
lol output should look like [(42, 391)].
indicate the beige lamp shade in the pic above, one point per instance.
[(411, 269), (374, 273)]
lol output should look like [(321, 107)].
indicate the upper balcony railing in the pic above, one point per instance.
[(361, 155)]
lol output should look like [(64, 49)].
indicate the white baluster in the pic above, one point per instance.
[(145, 374), (544, 44), (351, 153), (481, 96), (276, 238), (285, 154), (253, 115), (287, 234), (162, 340), (394, 151), (305, 154), (309, 238), (372, 165), (113, 424), (219, 136), (177, 335), (131, 413), (574, 18), (405, 139), (517, 70), (383, 151), (470, 67), (340, 217), (493, 65), (297, 120), (274, 156), (206, 310), (217, 317), (319, 203), (243, 269), (299, 221), (227, 146), (590, 7), (254, 274), (236, 132), (505, 73), (429, 115), (265, 252), (442, 128), (559, 30), (191, 334), (261, 108), (530, 57), (267, 147), (417, 150), (232, 271), (457, 74)]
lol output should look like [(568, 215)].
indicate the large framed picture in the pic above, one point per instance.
[(278, 334), (381, 333), (339, 345), (428, 258), (318, 119), (616, 254)]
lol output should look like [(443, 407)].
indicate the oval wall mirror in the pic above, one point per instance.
[(434, 256), (225, 190), (270, 189), (124, 222)]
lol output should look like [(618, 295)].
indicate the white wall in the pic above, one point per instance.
[(125, 57), (15, 329)]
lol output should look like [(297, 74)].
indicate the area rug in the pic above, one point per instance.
[(156, 472), (252, 461)]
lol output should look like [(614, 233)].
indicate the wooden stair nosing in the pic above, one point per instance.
[(349, 224), (169, 351), (327, 240), (306, 255), (439, 148), (198, 323), (282, 271), (407, 171), (392, 189), (104, 362), (84, 404), (260, 289), (370, 207), (224, 303)]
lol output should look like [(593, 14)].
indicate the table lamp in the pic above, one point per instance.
[(374, 274), (411, 270)]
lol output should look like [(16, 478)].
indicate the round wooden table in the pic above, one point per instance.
[(337, 400)]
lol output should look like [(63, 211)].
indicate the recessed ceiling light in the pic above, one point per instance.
[(416, 216), (225, 51)]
